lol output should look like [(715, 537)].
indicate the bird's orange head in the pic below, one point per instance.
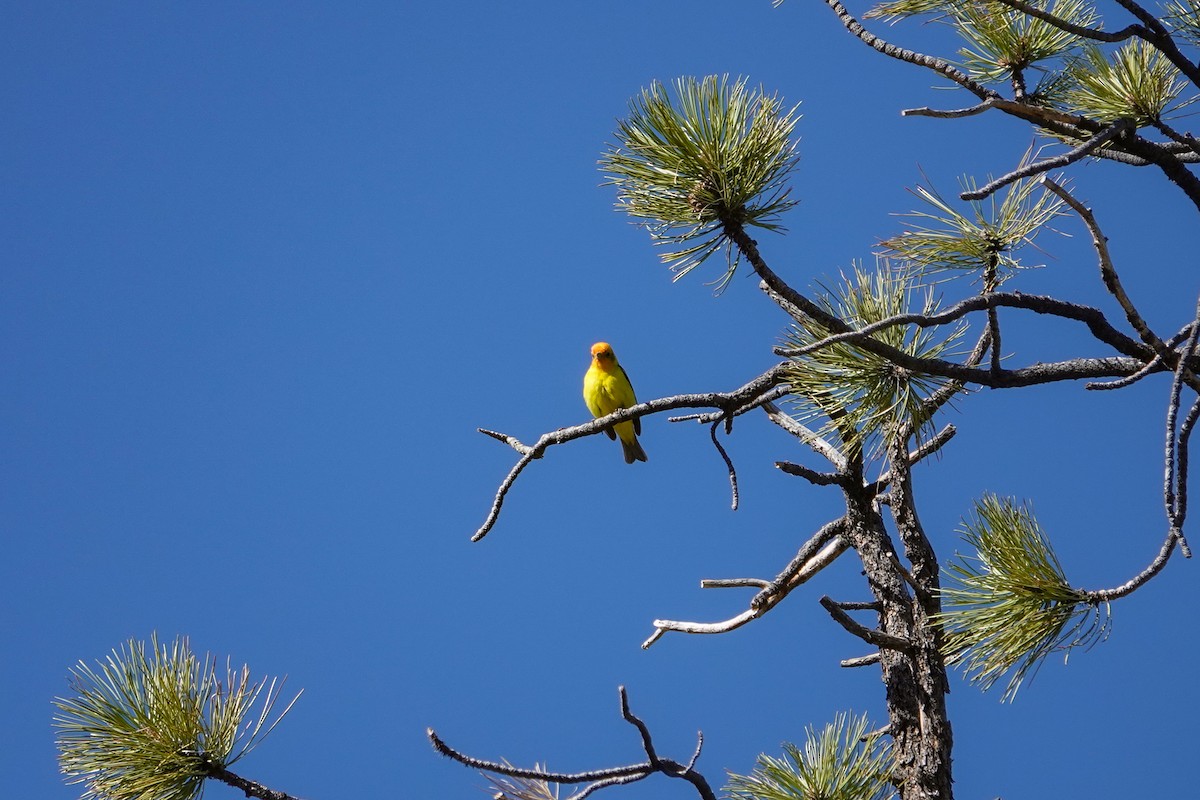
[(602, 353)]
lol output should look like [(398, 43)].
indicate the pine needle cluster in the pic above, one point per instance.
[(151, 723), (862, 394), (984, 242), (716, 154), (1183, 18), (843, 762), (1001, 41), (1012, 605), (1137, 82)]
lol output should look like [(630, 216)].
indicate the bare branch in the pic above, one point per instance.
[(952, 389), (706, 417), (1186, 141), (1094, 318), (620, 780), (955, 113), (1171, 481), (733, 484), (877, 638), (861, 661), (1114, 130), (932, 445), (929, 62), (1094, 34), (699, 746), (505, 485), (667, 767), (627, 715), (1185, 435), (817, 553), (804, 434), (860, 605), (248, 787), (727, 402), (734, 583), (1152, 366), (597, 779), (1132, 585), (500, 768), (1108, 272), (811, 475), (511, 441)]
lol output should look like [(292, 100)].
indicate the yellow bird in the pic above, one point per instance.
[(606, 388)]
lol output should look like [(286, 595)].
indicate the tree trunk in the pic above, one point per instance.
[(915, 678)]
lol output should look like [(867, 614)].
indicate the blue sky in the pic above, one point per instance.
[(267, 267)]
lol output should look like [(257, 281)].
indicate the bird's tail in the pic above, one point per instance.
[(633, 450)]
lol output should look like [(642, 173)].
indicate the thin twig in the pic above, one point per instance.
[(877, 638), (627, 715), (806, 435), (597, 779), (1094, 34), (1170, 485), (1108, 271), (818, 552), (620, 780), (1185, 435), (1114, 130), (1185, 140), (500, 768), (1130, 586), (733, 482), (734, 583), (862, 661), (699, 746), (1152, 366), (811, 475), (954, 113), (666, 766), (950, 390), (707, 417), (859, 605)]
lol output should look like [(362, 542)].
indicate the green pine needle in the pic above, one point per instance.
[(1137, 83), (842, 763), (1012, 605), (1002, 40), (151, 723), (985, 240), (717, 154), (862, 394), (1183, 18)]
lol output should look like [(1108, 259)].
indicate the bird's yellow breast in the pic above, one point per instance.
[(605, 391)]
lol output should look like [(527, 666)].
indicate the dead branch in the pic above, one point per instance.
[(817, 553), (596, 779), (877, 638), (1114, 130), (727, 402)]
